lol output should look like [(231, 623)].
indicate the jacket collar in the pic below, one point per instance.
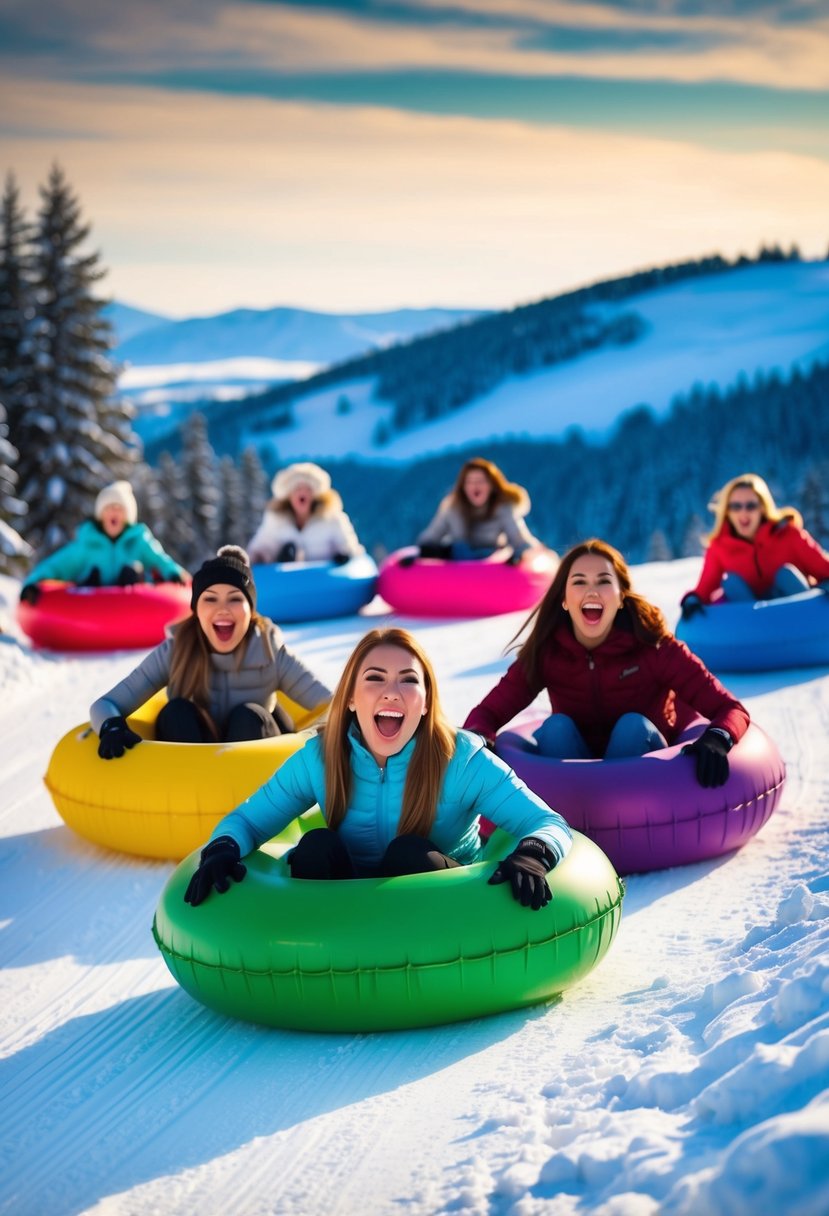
[(620, 640)]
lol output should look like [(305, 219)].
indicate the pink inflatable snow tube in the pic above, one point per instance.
[(437, 588), (648, 812), (67, 617)]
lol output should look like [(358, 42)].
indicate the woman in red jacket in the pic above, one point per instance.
[(755, 550), (619, 683)]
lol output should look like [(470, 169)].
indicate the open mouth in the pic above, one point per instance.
[(389, 722), (592, 613), (224, 632)]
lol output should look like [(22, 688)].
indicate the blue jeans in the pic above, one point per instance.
[(632, 735), (787, 581), (463, 552)]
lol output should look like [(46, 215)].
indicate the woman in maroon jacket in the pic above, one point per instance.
[(620, 684), (756, 550)]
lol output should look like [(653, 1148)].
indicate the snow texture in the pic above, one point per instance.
[(688, 1074)]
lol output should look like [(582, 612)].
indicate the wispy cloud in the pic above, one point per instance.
[(524, 38), (200, 202)]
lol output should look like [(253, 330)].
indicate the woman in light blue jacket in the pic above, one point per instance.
[(402, 792), (111, 550)]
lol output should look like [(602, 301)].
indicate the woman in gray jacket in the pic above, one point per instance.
[(222, 667), (483, 512)]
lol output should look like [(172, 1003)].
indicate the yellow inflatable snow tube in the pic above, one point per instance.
[(161, 799)]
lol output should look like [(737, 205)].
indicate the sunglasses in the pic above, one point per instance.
[(751, 505)]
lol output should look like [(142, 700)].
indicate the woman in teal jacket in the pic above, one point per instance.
[(111, 550), (402, 791)]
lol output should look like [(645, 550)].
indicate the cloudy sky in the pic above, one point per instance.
[(379, 153)]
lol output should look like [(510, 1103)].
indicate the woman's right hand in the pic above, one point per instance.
[(690, 605), (220, 861), (115, 738)]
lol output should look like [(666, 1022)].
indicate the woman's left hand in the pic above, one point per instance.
[(711, 751), (527, 868)]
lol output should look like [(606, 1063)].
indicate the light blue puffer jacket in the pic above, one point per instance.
[(91, 547), (476, 783)]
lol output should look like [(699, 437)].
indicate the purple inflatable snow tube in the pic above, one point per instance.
[(648, 812)]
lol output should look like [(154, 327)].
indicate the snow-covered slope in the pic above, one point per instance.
[(702, 331), (687, 1075)]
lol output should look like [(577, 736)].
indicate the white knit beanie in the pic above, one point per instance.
[(119, 492), (303, 473)]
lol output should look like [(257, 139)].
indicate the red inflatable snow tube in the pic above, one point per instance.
[(67, 617)]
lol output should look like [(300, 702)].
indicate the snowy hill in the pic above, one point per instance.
[(688, 1075), (716, 329)]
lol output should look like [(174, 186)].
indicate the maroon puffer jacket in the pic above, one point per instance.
[(666, 683)]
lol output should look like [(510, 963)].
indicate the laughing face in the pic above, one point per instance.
[(477, 487), (389, 699), (302, 500), (592, 597), (113, 519), (224, 615)]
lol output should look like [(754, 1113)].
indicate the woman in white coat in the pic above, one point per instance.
[(304, 521)]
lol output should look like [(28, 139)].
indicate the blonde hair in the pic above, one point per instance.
[(434, 746), (648, 621), (191, 667), (755, 483)]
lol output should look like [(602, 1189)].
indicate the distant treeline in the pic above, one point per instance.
[(645, 488)]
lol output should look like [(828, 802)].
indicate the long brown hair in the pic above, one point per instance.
[(648, 621), (755, 483), (190, 665), (434, 746), (502, 491)]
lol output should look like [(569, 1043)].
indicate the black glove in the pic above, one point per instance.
[(30, 594), (690, 605), (409, 559), (444, 552), (115, 738), (93, 579), (526, 868), (220, 861), (176, 578), (711, 751), (128, 576), (339, 559)]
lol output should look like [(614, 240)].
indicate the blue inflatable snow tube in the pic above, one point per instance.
[(314, 591), (765, 635)]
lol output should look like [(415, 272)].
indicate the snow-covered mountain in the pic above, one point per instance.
[(127, 322), (715, 329), (284, 334)]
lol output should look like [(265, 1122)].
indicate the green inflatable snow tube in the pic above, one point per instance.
[(384, 954)]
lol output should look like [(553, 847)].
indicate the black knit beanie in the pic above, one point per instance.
[(231, 565)]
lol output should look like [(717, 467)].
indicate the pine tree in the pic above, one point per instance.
[(255, 482), (198, 464), (13, 548), (232, 506), (174, 524), (16, 306), (73, 436)]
